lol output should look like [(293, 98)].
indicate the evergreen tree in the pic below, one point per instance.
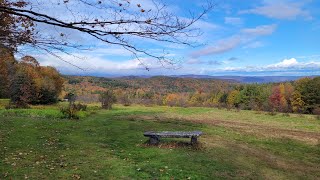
[(309, 90)]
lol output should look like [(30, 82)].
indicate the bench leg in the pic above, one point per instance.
[(194, 140), (154, 140)]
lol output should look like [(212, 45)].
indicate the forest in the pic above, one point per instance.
[(300, 96)]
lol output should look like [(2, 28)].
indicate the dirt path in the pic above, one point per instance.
[(312, 138), (263, 130)]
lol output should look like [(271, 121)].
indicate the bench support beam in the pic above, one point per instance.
[(194, 140), (154, 140)]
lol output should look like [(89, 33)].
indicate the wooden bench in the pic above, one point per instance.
[(155, 136)]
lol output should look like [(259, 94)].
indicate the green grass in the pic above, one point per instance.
[(45, 111), (110, 145)]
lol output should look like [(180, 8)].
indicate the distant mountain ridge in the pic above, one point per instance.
[(239, 79), (246, 79), (234, 79)]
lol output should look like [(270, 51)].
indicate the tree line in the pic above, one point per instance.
[(300, 96), (25, 82)]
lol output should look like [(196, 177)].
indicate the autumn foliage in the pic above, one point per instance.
[(300, 96), (26, 82)]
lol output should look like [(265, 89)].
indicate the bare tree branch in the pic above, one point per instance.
[(122, 22)]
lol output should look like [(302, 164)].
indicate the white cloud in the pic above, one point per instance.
[(201, 62), (91, 64), (95, 65), (106, 61), (233, 21), (280, 10), (201, 24), (246, 36), (221, 46), (260, 30), (286, 63), (111, 51)]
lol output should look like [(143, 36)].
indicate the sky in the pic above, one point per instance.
[(244, 38)]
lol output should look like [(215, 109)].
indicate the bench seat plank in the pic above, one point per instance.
[(173, 134)]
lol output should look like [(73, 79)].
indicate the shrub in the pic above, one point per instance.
[(80, 107), (107, 99), (71, 111)]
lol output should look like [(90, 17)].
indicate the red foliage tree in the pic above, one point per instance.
[(275, 98)]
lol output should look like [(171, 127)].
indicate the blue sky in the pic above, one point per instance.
[(247, 37)]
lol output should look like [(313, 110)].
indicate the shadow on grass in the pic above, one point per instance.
[(175, 144)]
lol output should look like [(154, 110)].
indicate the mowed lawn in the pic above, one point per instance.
[(38, 144)]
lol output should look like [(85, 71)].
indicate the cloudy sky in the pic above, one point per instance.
[(247, 37)]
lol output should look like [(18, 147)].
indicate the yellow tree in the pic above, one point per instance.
[(196, 99), (283, 101), (171, 100), (232, 98), (297, 103)]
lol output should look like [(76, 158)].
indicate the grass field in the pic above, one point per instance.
[(38, 144)]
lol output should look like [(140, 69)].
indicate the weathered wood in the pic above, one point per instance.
[(155, 136), (174, 134)]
